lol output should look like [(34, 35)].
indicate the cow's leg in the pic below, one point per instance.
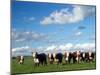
[(90, 59), (83, 59), (69, 60), (66, 60), (45, 62), (42, 62), (73, 60), (37, 64)]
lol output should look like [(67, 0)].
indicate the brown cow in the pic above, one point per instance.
[(76, 56), (68, 57), (51, 58), (20, 59)]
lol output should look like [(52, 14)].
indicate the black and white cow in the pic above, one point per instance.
[(91, 56), (40, 58), (58, 57), (87, 56), (83, 56)]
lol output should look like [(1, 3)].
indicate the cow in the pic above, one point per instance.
[(76, 56), (58, 57), (68, 57), (20, 59), (51, 58), (87, 56), (83, 56), (40, 58), (91, 56), (36, 60)]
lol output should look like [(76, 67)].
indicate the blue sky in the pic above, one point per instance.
[(43, 25)]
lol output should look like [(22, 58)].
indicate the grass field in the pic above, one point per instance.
[(28, 67)]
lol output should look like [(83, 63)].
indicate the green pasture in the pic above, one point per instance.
[(28, 67)]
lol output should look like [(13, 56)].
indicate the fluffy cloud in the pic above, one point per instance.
[(19, 36), (52, 47), (78, 13), (66, 46), (71, 47), (85, 46), (20, 48), (26, 50)]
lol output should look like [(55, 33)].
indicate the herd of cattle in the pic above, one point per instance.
[(52, 58)]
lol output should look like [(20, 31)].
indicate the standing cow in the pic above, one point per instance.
[(40, 58), (76, 57), (20, 59), (91, 56), (68, 57), (87, 56), (58, 57), (83, 56), (50, 58)]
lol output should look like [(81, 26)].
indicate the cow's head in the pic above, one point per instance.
[(34, 54), (54, 55), (90, 53), (22, 57), (49, 55), (66, 54)]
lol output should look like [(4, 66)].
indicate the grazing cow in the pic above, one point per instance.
[(68, 57), (40, 58), (51, 58), (20, 59), (58, 57)]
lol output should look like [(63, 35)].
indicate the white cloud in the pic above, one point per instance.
[(52, 47), (66, 46), (78, 13), (19, 36), (26, 50), (19, 40), (85, 46), (20, 48), (71, 47), (78, 33)]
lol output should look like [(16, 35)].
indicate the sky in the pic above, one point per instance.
[(51, 27)]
